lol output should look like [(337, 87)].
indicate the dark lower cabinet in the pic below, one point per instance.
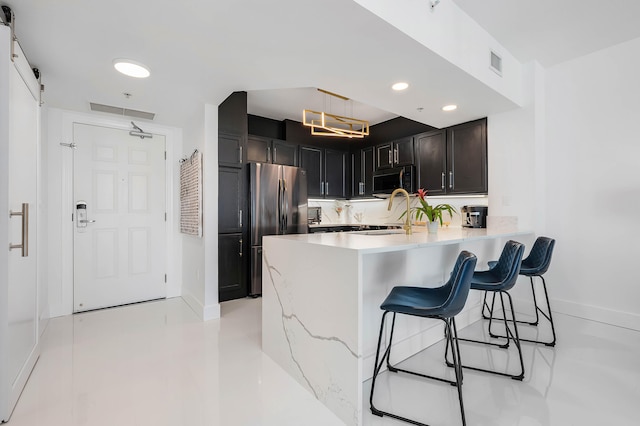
[(232, 280)]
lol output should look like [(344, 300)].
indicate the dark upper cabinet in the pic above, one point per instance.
[(363, 164), (232, 282), (266, 150), (467, 158), (284, 153), (335, 174), (453, 160), (311, 159), (431, 162), (231, 199), (230, 150), (326, 172), (394, 154), (258, 149)]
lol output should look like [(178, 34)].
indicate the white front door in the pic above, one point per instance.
[(119, 229)]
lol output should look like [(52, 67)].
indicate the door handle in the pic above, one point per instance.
[(24, 246), (268, 154), (240, 218), (86, 221), (240, 253), (395, 155), (443, 180), (390, 159), (240, 159), (450, 180), (275, 154)]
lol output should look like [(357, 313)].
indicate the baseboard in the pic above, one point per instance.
[(205, 313), (410, 346), (595, 313)]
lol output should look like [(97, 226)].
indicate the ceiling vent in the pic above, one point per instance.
[(122, 111), (496, 63)]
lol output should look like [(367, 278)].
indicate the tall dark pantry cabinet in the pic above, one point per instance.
[(232, 200)]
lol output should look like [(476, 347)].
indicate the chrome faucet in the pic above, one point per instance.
[(407, 224)]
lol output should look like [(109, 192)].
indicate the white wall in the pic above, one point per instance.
[(593, 192), (200, 255), (58, 167), (513, 141)]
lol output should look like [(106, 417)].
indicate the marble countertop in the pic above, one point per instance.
[(394, 240)]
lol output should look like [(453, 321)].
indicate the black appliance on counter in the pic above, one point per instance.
[(385, 181), (474, 216), (278, 206)]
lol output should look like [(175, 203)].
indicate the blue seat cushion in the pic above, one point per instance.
[(486, 280), (419, 301)]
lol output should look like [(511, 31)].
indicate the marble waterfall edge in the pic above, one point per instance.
[(316, 342)]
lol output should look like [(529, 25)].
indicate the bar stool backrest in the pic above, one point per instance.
[(539, 259), (459, 283), (508, 265)]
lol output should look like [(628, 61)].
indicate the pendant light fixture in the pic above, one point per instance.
[(327, 124)]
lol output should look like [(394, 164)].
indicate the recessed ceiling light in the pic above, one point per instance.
[(131, 68), (449, 107), (400, 86)]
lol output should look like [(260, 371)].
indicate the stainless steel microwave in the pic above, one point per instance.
[(387, 180)]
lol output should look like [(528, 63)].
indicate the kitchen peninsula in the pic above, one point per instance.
[(322, 292)]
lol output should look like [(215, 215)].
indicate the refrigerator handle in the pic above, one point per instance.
[(285, 211), (279, 230)]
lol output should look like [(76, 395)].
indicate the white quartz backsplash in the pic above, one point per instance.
[(374, 211)]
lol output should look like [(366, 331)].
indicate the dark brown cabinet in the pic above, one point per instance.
[(232, 268), (326, 172), (394, 154), (363, 163), (453, 160), (265, 150), (230, 150)]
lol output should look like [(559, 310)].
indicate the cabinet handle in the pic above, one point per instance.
[(240, 155), (450, 180), (240, 219), (240, 253), (321, 188), (24, 246), (275, 154), (326, 188), (269, 154), (395, 155), (390, 159), (360, 188), (443, 180)]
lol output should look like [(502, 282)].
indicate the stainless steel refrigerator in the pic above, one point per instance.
[(278, 196)]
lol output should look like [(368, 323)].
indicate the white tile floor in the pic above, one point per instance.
[(157, 364)]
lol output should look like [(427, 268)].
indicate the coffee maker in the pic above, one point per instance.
[(474, 216)]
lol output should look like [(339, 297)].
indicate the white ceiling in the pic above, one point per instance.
[(201, 51)]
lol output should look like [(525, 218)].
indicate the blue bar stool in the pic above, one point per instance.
[(441, 303), (500, 278), (535, 265)]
